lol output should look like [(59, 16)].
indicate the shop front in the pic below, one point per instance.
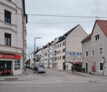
[(9, 63)]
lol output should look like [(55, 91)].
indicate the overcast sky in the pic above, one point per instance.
[(50, 27)]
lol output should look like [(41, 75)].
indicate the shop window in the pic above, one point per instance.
[(17, 64)]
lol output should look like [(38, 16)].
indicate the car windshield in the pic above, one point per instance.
[(41, 67)]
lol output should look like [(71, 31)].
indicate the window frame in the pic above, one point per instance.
[(7, 16), (8, 39)]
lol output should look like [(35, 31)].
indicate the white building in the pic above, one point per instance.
[(12, 36), (31, 60), (94, 49), (69, 48)]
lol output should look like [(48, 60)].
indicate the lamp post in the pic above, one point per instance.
[(34, 49)]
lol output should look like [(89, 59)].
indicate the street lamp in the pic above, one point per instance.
[(34, 49)]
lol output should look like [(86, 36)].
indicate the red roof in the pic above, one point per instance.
[(103, 26), (86, 38)]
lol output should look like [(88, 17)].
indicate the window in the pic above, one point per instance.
[(63, 43), (64, 50), (92, 52), (7, 39), (101, 51), (97, 37), (63, 57), (17, 64), (60, 45), (86, 53), (60, 57), (9, 0), (101, 66), (7, 16)]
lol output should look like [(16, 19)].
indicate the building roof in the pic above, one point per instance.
[(86, 38), (103, 26), (66, 34)]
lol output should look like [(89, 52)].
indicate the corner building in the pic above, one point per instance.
[(13, 21)]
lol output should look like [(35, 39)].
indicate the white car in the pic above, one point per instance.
[(41, 69)]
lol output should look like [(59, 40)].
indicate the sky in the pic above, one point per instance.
[(68, 13)]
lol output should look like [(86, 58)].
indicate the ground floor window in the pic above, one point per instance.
[(17, 64), (101, 66)]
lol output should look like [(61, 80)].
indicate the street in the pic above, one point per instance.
[(54, 81)]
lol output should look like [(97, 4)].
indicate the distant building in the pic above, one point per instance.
[(69, 48), (31, 64), (13, 21), (94, 48)]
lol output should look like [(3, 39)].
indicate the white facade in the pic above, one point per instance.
[(31, 60), (13, 26), (95, 49), (69, 48)]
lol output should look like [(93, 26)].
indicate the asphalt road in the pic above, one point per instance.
[(55, 81)]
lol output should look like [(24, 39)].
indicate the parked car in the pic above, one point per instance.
[(36, 67), (41, 69)]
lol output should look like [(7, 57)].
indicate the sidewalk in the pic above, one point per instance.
[(27, 75), (75, 72)]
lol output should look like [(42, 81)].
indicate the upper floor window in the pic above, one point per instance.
[(92, 52), (101, 51), (63, 57), (7, 39), (97, 37), (63, 43), (64, 50), (60, 45), (86, 53), (7, 16), (9, 0)]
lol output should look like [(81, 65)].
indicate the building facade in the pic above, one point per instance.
[(94, 48), (13, 21), (69, 48)]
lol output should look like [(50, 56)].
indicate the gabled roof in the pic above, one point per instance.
[(103, 26), (66, 34), (86, 38)]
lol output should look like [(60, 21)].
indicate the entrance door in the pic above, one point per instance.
[(86, 67), (5, 67)]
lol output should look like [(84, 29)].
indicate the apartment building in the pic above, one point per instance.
[(69, 48), (94, 48), (31, 64), (13, 21), (60, 53)]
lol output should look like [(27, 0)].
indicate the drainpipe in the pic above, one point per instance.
[(65, 53), (103, 65), (23, 38)]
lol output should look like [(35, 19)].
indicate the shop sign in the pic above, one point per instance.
[(9, 56)]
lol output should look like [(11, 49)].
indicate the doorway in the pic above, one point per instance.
[(86, 67)]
